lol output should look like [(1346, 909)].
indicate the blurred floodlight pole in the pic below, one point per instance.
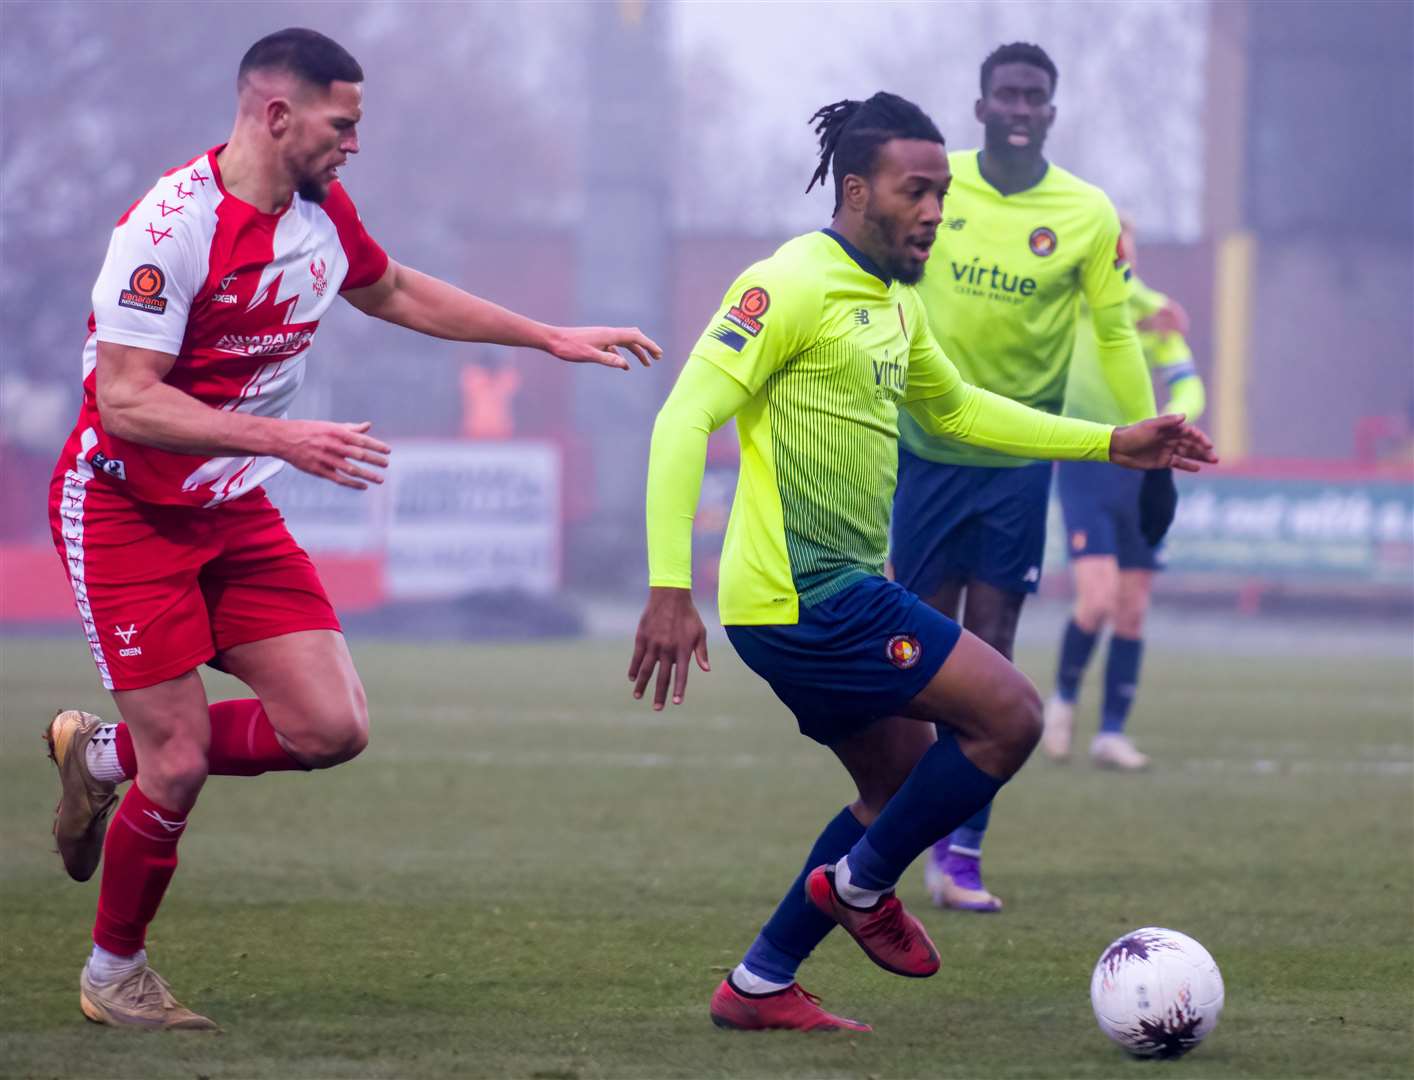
[(622, 270)]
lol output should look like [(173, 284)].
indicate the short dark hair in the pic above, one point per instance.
[(851, 133), (1019, 52), (306, 54)]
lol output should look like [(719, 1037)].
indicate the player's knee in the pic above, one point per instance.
[(1020, 730), (339, 735), (1093, 612), (173, 774), (1129, 618)]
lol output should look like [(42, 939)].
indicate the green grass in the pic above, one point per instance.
[(529, 875)]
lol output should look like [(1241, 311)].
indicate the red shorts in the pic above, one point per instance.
[(162, 589)]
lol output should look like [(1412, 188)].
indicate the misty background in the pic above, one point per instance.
[(621, 162)]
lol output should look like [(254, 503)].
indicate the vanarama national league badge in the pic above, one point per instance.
[(747, 311)]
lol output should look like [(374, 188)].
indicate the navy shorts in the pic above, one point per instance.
[(969, 522), (852, 658), (1100, 503)]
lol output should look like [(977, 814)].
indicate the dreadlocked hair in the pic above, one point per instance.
[(851, 133)]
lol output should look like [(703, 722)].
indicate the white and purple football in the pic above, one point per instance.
[(1156, 992)]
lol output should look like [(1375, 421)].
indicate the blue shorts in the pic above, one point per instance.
[(969, 522), (1100, 503), (852, 658)]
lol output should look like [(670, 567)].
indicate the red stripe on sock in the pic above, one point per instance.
[(139, 859), (243, 743)]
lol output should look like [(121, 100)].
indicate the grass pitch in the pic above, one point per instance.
[(530, 875)]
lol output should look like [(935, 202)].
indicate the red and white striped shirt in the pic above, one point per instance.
[(236, 295)]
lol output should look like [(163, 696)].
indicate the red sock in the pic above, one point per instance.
[(243, 743), (139, 858), (123, 744)]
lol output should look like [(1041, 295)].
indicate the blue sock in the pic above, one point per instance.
[(967, 836), (797, 925), (1121, 680), (1076, 647), (942, 792)]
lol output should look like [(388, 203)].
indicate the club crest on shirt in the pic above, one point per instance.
[(903, 651), (746, 312), (144, 291), (1043, 242)]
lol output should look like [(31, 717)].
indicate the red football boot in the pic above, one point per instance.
[(791, 1009), (888, 934)]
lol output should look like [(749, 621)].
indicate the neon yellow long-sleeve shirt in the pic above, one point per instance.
[(814, 351)]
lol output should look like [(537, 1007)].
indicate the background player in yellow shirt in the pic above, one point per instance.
[(1112, 558), (815, 351), (1022, 242)]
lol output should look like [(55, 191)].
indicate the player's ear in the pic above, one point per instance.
[(856, 191), (278, 116), (979, 110)]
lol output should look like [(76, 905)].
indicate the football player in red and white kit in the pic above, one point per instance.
[(209, 298)]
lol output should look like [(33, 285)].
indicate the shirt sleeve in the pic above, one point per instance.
[(768, 316), (704, 398), (1173, 363), (1105, 276), (1121, 359), (943, 404), (150, 274), (367, 260)]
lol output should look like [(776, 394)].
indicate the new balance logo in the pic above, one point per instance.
[(169, 826), (861, 316)]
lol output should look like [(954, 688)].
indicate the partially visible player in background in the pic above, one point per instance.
[(1113, 561), (209, 298), (1022, 242)]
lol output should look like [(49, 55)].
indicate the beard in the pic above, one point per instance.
[(314, 191), (890, 236)]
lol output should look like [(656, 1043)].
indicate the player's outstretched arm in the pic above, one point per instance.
[(135, 404), (431, 306), (947, 406), (670, 632)]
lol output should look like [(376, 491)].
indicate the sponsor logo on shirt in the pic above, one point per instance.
[(748, 310), (144, 291), (954, 223), (861, 316), (903, 651), (224, 298), (890, 374), (1043, 242), (975, 279), (283, 344)]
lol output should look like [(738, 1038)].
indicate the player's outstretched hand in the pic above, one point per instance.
[(601, 345), (1162, 442), (670, 634), (343, 453)]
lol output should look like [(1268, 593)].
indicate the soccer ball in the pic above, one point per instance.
[(1156, 992)]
